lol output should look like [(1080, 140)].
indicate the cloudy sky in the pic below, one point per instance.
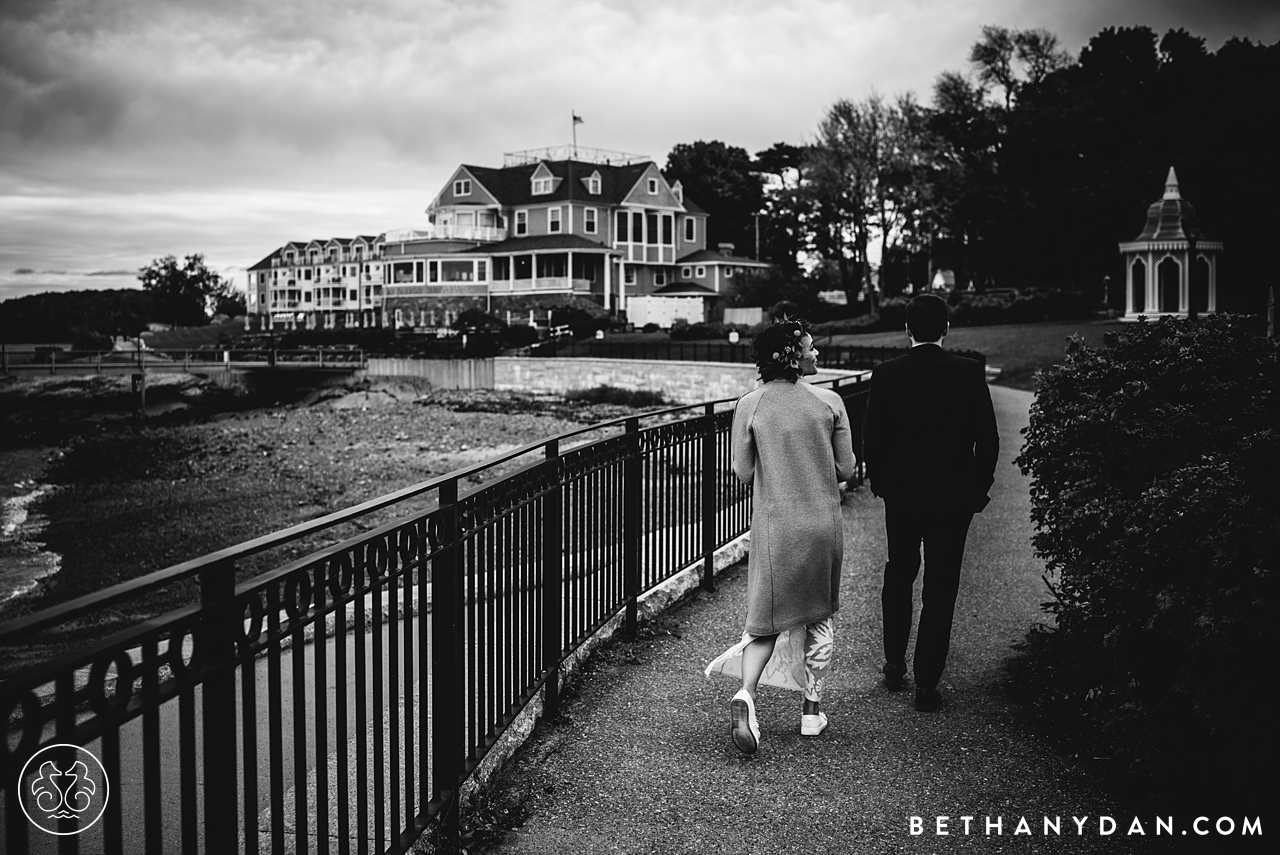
[(132, 129)]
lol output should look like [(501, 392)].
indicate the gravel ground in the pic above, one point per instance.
[(641, 762)]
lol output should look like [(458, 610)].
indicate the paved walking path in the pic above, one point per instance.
[(641, 760)]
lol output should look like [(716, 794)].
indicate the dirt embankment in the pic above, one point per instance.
[(205, 469)]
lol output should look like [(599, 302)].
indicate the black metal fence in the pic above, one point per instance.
[(830, 356), (59, 361), (233, 725)]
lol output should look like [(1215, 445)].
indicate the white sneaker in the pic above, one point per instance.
[(745, 730), (812, 725)]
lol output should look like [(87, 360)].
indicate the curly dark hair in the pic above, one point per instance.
[(776, 350)]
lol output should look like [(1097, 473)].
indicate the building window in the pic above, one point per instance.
[(651, 237), (660, 278), (690, 229), (482, 271), (462, 187), (653, 187), (728, 273), (629, 275), (668, 230), (402, 272), (593, 185), (686, 272), (456, 271), (553, 220), (522, 222), (589, 220), (700, 272), (621, 229), (352, 295), (541, 186)]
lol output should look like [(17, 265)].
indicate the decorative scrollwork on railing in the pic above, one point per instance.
[(298, 595), (27, 707), (342, 575), (106, 694), (179, 653), (249, 631), (377, 559)]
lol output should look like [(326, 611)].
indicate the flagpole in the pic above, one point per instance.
[(573, 120)]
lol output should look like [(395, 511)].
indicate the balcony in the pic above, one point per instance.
[(451, 232)]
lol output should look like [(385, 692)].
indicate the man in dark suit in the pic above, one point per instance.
[(931, 445)]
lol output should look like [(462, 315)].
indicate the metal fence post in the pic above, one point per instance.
[(218, 704), (632, 489), (709, 498), (552, 582), (448, 689)]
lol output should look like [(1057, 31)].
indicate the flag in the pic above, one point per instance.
[(577, 120)]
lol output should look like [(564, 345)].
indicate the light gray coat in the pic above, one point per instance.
[(791, 441)]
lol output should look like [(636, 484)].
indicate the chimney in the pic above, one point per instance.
[(725, 248)]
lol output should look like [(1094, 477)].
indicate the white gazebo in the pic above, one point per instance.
[(1157, 262)]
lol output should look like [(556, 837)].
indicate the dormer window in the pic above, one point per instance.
[(462, 187), (653, 187), (593, 184), (678, 190), (541, 186)]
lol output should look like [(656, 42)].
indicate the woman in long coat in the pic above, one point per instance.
[(792, 443)]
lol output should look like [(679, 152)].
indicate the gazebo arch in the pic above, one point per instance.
[(1158, 261), (1136, 289)]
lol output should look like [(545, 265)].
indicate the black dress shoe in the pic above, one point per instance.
[(928, 700), (894, 674)]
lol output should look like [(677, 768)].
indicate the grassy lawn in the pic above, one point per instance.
[(1019, 350)]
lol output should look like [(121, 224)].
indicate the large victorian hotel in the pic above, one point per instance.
[(552, 229)]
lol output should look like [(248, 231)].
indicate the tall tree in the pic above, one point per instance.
[(992, 58), (185, 294), (722, 180), (845, 169), (781, 230)]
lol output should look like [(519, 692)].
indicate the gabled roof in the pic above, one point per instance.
[(711, 256), (265, 264), (538, 242), (513, 185)]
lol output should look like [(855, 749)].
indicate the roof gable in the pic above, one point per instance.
[(479, 195), (639, 194)]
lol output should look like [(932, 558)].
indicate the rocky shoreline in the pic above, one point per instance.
[(122, 494)]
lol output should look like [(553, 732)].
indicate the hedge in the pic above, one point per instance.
[(1153, 465)]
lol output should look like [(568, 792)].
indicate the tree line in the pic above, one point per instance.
[(180, 294), (1023, 171)]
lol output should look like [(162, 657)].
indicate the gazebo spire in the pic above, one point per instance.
[(1171, 185)]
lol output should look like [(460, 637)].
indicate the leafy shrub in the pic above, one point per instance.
[(615, 395), (650, 327), (1152, 465), (519, 335)]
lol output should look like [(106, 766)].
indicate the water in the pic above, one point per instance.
[(23, 561)]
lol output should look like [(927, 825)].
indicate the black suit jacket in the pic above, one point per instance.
[(930, 435)]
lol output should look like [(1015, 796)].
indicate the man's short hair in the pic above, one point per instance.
[(927, 317)]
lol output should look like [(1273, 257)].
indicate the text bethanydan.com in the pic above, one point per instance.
[(1080, 826)]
